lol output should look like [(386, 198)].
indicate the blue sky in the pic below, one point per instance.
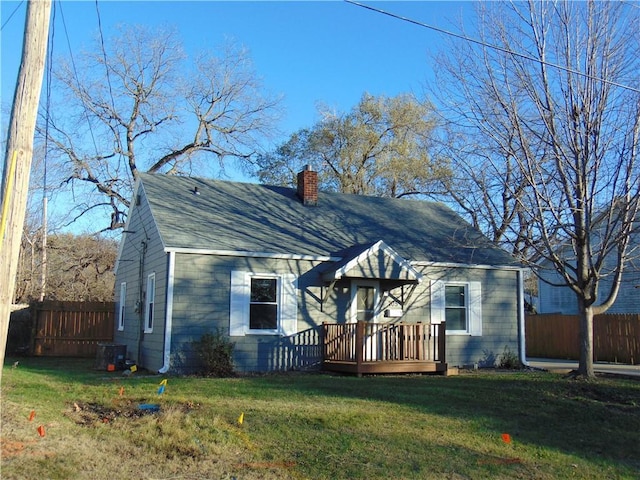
[(309, 52), (328, 51)]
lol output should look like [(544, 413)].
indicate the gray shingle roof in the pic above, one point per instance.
[(258, 218)]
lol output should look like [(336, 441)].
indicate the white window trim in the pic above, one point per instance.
[(467, 313), (150, 297), (353, 308), (240, 300), (473, 300), (267, 331), (123, 302)]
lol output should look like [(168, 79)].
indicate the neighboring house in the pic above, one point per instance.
[(554, 298), (268, 265)]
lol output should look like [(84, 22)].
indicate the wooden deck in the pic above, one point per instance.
[(377, 348)]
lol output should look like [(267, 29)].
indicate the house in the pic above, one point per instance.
[(555, 297), (270, 266)]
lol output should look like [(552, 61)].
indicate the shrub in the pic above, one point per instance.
[(488, 359), (509, 360), (216, 354)]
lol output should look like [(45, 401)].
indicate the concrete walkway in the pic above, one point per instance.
[(565, 366)]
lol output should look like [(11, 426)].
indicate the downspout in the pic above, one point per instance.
[(168, 317), (521, 322), (141, 296)]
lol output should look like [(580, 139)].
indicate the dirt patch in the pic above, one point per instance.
[(12, 448), (91, 414)]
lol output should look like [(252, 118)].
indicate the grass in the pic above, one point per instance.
[(314, 426)]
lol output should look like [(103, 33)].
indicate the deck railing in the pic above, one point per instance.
[(362, 342)]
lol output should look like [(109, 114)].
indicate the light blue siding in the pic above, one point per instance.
[(142, 253)]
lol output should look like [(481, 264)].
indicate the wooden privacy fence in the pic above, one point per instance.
[(616, 337), (72, 329)]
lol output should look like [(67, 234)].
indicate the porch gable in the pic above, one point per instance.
[(373, 261)]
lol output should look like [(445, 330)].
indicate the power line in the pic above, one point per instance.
[(494, 47), (75, 74), (113, 105), (45, 225), (11, 15), (48, 97), (104, 56)]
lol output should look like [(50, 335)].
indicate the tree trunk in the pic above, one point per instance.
[(585, 367), (19, 152)]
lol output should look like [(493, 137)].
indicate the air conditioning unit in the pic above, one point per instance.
[(110, 356)]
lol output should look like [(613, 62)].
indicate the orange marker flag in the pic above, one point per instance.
[(32, 415), (41, 430), (506, 438), (121, 391)]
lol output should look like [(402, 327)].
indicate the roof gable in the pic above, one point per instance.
[(373, 261)]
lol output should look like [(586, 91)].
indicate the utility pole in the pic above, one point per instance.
[(18, 155)]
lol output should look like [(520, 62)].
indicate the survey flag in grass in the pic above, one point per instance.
[(163, 385)]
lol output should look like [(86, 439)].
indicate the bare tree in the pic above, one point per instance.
[(140, 105), (485, 186), (554, 89), (81, 267), (381, 147)]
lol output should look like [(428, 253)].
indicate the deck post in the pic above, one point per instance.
[(323, 340), (360, 327), (442, 336)]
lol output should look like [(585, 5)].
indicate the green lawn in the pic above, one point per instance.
[(315, 426)]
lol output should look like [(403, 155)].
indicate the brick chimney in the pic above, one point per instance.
[(308, 186)]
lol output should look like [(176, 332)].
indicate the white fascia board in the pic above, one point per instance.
[(155, 223), (241, 253), (126, 226), (468, 265), (375, 248)]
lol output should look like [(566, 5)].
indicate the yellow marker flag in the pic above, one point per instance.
[(164, 382), (241, 418)]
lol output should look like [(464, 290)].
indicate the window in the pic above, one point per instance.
[(365, 305), (262, 304), (455, 302), (150, 301), (365, 299), (123, 301), (459, 304)]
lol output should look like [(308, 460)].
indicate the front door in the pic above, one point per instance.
[(365, 305)]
